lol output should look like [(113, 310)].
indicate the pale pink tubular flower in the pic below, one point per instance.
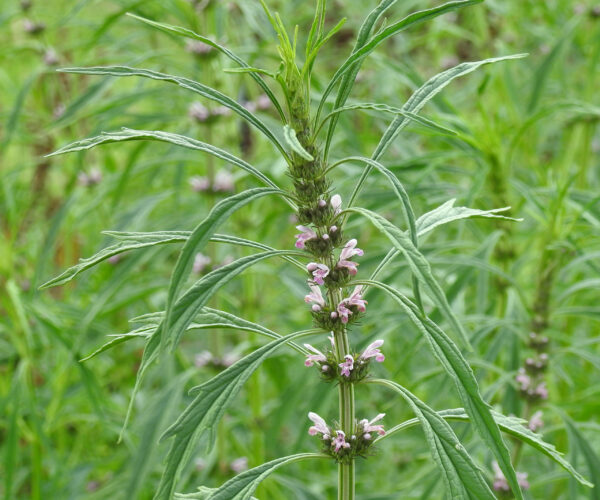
[(343, 312), (320, 426), (372, 351), (356, 299), (340, 441), (336, 203), (319, 272), (332, 340), (348, 264), (315, 296), (317, 356), (201, 261), (350, 250), (347, 366), (306, 234), (536, 422), (368, 426)]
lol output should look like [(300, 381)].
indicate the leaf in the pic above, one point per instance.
[(186, 83), (447, 212), (131, 243), (290, 136), (396, 111), (590, 456), (203, 414), (350, 76), (418, 264), (417, 100), (176, 30), (510, 425), (463, 478), (387, 32), (190, 304), (127, 134), (198, 239), (459, 370), (242, 486)]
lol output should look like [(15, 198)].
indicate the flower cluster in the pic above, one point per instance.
[(352, 369), (345, 448), (530, 376), (222, 183)]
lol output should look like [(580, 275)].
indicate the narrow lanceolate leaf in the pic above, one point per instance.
[(419, 98), (419, 266), (513, 426), (190, 304), (208, 318), (459, 370), (201, 418), (127, 134), (387, 32), (462, 477), (199, 237), (242, 486), (290, 136), (176, 30), (188, 84), (426, 122), (447, 212), (345, 87), (131, 243)]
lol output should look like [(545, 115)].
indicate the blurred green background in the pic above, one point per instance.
[(528, 138)]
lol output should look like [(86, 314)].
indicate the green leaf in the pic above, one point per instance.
[(459, 370), (447, 212), (387, 32), (396, 111), (203, 414), (242, 486), (462, 477), (144, 240), (188, 306), (290, 136), (188, 84), (590, 456), (418, 264), (417, 100), (127, 134), (513, 426), (196, 241), (176, 30)]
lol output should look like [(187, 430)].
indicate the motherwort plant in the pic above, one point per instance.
[(330, 257)]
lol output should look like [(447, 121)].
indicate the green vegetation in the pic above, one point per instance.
[(134, 272)]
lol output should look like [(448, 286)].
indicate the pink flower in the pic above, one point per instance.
[(336, 203), (319, 272), (347, 366), (199, 184), (542, 391), (348, 264), (523, 379), (239, 465), (368, 426), (340, 441), (317, 356), (320, 426), (356, 299), (536, 422), (372, 351), (350, 250), (316, 297), (223, 181), (198, 112), (343, 312), (306, 234), (200, 262), (500, 482)]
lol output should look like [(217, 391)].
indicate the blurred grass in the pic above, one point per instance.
[(528, 138)]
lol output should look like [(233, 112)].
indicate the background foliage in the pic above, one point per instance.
[(527, 138)]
